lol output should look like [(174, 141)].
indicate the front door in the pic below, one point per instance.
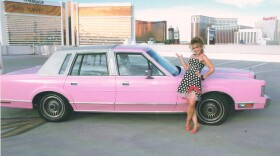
[(135, 92)]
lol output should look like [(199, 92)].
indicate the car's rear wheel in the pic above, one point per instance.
[(54, 108), (212, 109)]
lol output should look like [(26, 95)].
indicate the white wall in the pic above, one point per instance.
[(29, 50), (269, 53), (236, 48), (1, 62)]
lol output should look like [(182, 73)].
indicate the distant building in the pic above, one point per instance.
[(248, 36), (225, 34), (170, 33), (150, 31), (105, 23), (25, 22), (278, 31), (177, 36), (270, 27), (200, 27), (38, 22)]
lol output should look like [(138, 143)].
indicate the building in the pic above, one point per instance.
[(270, 26), (177, 35), (225, 34), (38, 22), (110, 23), (248, 36), (170, 33), (154, 31), (200, 27), (23, 22)]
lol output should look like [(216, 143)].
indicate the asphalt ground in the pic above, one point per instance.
[(250, 133)]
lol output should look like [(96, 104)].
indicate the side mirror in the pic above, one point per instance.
[(148, 73)]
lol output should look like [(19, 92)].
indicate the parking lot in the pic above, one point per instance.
[(254, 132)]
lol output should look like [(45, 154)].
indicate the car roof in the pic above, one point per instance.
[(53, 65), (117, 48), (130, 47)]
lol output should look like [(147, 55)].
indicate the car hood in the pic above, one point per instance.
[(233, 72), (226, 72)]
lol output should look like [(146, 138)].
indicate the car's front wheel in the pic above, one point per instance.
[(54, 108), (212, 109)]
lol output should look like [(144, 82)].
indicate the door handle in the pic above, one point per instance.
[(74, 83), (125, 84)]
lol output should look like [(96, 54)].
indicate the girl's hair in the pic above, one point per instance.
[(198, 41)]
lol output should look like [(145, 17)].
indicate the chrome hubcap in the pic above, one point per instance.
[(210, 110), (53, 106)]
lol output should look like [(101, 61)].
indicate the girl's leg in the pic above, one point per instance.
[(195, 122), (191, 108), (188, 120)]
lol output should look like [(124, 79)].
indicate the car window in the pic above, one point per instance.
[(65, 63), (135, 65), (164, 62), (90, 65)]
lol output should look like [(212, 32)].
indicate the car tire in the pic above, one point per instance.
[(54, 108), (212, 109)]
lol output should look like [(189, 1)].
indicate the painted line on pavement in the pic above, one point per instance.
[(255, 66), (172, 58), (266, 71), (15, 126), (226, 62)]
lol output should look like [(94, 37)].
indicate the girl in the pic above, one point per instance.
[(190, 86)]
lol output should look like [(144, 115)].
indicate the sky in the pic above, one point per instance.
[(178, 13)]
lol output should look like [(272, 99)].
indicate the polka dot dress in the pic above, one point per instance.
[(191, 82)]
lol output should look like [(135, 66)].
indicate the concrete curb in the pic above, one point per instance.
[(232, 56), (229, 52)]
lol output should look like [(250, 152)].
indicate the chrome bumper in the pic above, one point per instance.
[(267, 101)]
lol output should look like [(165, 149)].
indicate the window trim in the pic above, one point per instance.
[(64, 63), (80, 65), (149, 62)]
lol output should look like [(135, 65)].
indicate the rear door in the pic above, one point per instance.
[(90, 84)]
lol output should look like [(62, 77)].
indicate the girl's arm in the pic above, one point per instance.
[(210, 65), (185, 65)]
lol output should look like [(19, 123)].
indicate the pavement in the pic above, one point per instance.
[(254, 132)]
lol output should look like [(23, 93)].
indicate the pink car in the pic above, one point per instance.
[(125, 78)]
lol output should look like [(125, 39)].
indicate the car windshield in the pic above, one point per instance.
[(164, 62)]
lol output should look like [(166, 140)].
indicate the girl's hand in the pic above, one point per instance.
[(179, 55), (197, 73)]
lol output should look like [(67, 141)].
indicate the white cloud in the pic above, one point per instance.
[(274, 2), (240, 3), (181, 17)]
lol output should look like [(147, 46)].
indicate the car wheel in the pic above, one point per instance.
[(54, 108), (212, 109)]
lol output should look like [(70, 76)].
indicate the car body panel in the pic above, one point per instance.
[(159, 91), (26, 87), (116, 93), (91, 92)]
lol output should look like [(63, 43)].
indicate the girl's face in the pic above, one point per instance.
[(197, 49)]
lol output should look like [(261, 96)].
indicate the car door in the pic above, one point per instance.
[(136, 92), (90, 84)]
